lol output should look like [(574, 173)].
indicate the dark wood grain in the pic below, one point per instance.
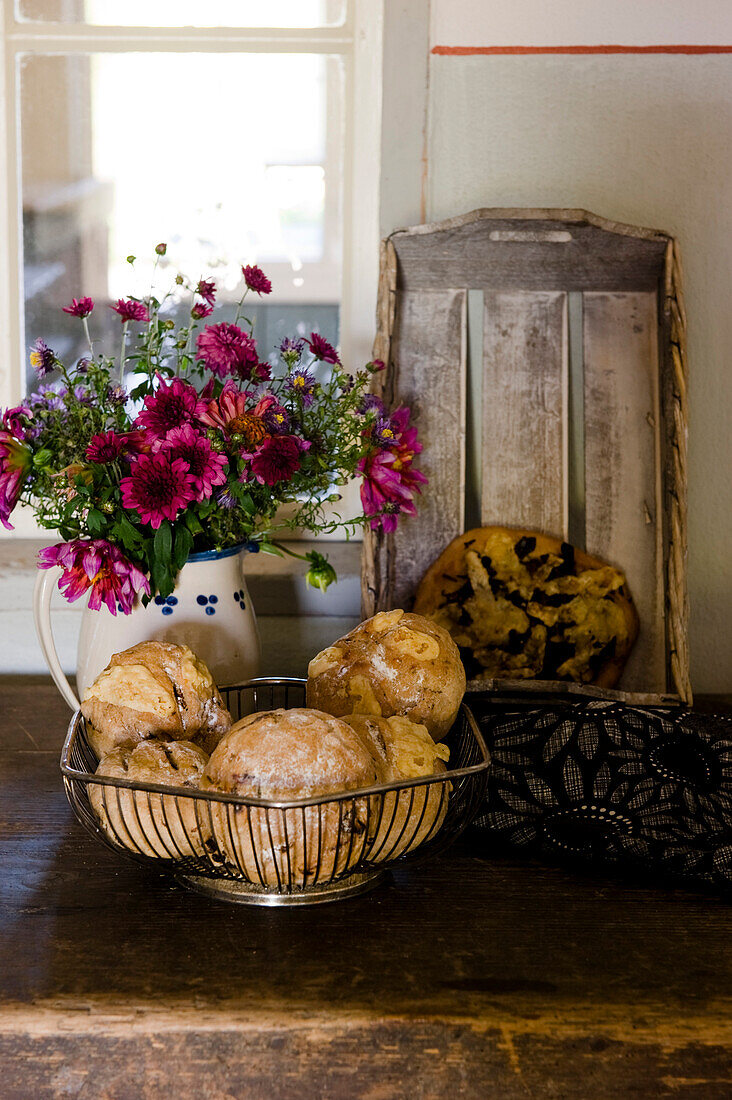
[(466, 976)]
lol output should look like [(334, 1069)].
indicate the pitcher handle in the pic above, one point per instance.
[(46, 581)]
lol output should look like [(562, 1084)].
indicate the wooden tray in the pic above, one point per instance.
[(544, 355)]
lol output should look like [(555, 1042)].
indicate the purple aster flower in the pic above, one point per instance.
[(130, 310), (158, 487), (225, 499), (290, 347), (80, 307), (205, 466), (96, 565), (47, 400), (117, 395), (81, 394), (383, 432), (321, 349), (256, 280), (207, 289), (371, 403), (42, 358), (302, 383)]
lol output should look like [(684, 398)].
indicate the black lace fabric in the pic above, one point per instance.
[(607, 783)]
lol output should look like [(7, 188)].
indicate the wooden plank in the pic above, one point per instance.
[(505, 250), (622, 463), (525, 411), (428, 357)]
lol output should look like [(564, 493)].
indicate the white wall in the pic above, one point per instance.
[(645, 139)]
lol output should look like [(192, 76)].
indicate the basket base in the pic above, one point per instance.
[(247, 893)]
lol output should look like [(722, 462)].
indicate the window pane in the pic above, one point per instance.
[(186, 13), (243, 166)]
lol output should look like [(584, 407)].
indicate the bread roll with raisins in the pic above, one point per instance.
[(154, 689), (394, 663)]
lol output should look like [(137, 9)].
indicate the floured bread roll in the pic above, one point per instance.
[(407, 752), (159, 825), (522, 605), (290, 754), (154, 689), (393, 663)]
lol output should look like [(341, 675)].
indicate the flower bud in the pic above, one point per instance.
[(179, 280), (131, 259), (168, 325), (42, 458), (161, 249), (321, 573)]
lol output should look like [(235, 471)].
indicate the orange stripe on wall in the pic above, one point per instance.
[(467, 51)]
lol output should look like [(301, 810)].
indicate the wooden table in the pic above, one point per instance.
[(467, 976)]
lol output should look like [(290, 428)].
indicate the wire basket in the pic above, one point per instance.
[(266, 852)]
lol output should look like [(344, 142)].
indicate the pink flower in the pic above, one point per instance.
[(227, 349), (256, 280), (277, 459), (173, 404), (98, 566), (321, 349), (201, 310), (226, 412), (131, 310), (158, 487), (389, 480), (80, 307), (108, 446), (12, 421), (205, 466), (207, 289), (15, 464)]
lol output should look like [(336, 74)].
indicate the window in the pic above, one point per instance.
[(230, 140)]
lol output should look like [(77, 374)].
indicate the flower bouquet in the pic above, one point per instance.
[(186, 441)]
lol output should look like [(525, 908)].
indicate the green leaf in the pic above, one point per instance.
[(95, 521), (163, 545), (192, 523), (183, 547)]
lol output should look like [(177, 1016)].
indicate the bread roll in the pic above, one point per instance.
[(394, 663), (282, 755), (415, 814), (158, 825), (154, 689)]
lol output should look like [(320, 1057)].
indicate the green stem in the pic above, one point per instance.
[(85, 322), (122, 353)]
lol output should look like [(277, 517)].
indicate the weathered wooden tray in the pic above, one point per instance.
[(544, 354)]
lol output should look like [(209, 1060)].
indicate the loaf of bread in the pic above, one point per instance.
[(157, 825), (415, 814), (282, 755), (522, 605), (392, 664), (154, 690)]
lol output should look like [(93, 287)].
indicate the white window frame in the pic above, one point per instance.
[(358, 41)]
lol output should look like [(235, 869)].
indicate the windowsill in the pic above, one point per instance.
[(277, 585)]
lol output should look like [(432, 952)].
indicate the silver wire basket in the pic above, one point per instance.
[(265, 852)]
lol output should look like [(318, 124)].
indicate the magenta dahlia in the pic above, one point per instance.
[(80, 307), (321, 349), (109, 446), (201, 310), (15, 464), (205, 466), (207, 289), (158, 487), (98, 566), (130, 310), (173, 404), (389, 478), (227, 349), (277, 459), (256, 280)]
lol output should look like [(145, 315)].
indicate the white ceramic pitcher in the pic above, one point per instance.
[(210, 611)]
